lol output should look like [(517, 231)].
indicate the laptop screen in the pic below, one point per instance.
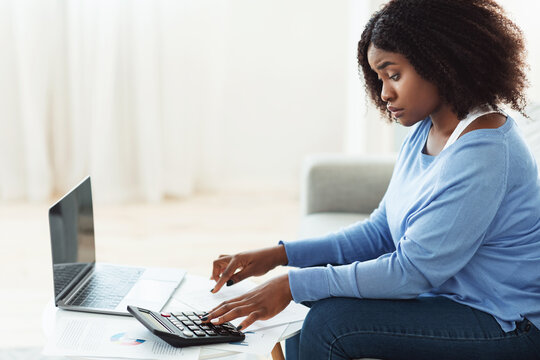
[(71, 223)]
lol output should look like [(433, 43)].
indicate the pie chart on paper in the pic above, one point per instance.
[(123, 339)]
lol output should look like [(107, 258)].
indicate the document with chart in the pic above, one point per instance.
[(86, 335)]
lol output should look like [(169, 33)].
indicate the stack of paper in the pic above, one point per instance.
[(262, 335)]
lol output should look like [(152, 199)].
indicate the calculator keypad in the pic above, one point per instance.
[(181, 329), (190, 324)]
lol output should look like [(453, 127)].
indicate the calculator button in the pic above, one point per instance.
[(183, 318), (211, 333), (193, 327), (165, 314), (199, 333), (187, 333)]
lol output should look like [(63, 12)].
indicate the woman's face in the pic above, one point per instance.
[(408, 96)]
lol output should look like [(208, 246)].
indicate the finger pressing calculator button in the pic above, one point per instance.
[(222, 332)]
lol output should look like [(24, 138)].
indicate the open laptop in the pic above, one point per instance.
[(80, 283)]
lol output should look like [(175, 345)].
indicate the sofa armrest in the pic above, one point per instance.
[(342, 183)]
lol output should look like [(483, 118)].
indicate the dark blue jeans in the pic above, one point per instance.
[(423, 328)]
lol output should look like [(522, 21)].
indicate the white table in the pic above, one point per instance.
[(50, 312)]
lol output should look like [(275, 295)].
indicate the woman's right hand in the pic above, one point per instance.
[(249, 263)]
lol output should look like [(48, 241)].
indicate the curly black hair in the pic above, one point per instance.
[(469, 49)]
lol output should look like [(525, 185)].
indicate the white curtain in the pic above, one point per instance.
[(110, 88), (156, 98)]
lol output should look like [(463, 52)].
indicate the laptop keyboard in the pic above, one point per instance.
[(107, 287), (63, 274)]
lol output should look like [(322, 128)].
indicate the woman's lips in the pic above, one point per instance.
[(396, 112)]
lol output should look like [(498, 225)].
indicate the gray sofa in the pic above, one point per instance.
[(338, 190)]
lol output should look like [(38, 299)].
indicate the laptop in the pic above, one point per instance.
[(80, 283)]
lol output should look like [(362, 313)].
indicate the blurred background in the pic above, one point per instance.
[(193, 118)]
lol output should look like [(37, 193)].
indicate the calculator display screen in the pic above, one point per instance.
[(152, 320)]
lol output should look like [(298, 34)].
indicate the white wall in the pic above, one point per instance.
[(280, 91), (525, 14)]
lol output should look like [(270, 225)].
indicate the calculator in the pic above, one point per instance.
[(181, 329)]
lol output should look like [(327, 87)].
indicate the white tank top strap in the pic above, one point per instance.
[(473, 115)]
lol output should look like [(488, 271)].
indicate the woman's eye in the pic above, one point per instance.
[(395, 77)]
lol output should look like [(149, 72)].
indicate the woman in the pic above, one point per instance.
[(448, 266)]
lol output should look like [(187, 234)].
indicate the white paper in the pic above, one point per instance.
[(90, 335), (258, 342), (201, 299)]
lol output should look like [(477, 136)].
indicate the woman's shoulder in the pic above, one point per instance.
[(494, 151), (488, 121)]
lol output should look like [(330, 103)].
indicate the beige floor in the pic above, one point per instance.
[(188, 234)]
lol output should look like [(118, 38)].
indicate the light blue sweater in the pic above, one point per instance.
[(464, 224)]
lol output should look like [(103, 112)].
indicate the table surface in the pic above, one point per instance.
[(49, 318)]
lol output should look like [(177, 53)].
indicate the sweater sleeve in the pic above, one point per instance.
[(440, 237), (361, 241)]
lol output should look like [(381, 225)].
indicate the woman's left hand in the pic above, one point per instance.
[(261, 303)]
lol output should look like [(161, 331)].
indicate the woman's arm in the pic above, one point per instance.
[(440, 239), (361, 241)]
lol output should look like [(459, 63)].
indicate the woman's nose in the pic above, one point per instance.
[(387, 93)]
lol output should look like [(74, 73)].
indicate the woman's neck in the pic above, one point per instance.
[(444, 121)]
